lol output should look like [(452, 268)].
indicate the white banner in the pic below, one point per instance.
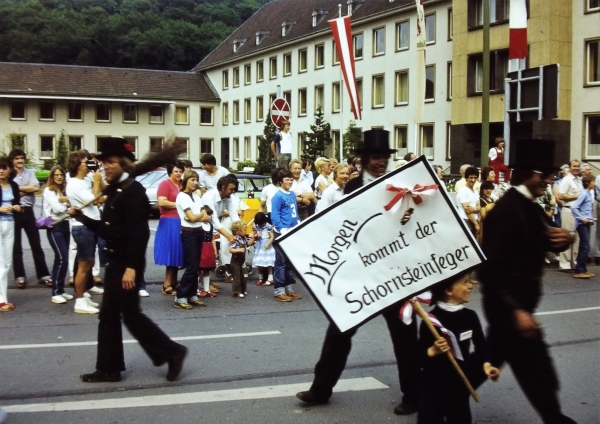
[(357, 258)]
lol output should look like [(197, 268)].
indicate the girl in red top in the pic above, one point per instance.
[(496, 156)]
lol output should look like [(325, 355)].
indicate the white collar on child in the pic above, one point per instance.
[(449, 307)]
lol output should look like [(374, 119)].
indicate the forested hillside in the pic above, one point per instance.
[(151, 34)]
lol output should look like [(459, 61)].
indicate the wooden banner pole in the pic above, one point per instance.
[(419, 309)]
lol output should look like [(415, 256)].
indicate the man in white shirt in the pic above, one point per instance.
[(569, 190), (467, 199), (302, 189), (462, 182), (267, 193), (282, 146), (211, 173), (219, 200)]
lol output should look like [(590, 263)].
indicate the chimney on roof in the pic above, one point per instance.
[(286, 27), (237, 43), (353, 5), (318, 16), (261, 35)]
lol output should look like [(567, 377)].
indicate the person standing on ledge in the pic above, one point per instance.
[(282, 146), (375, 155), (124, 226)]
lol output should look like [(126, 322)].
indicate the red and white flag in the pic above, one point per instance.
[(517, 47), (342, 34)]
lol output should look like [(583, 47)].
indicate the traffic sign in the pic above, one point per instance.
[(280, 111)]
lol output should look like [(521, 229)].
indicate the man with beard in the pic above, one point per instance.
[(124, 226)]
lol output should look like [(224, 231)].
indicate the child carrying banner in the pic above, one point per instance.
[(443, 393)]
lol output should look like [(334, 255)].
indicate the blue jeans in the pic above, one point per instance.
[(282, 273), (59, 237), (192, 248), (584, 248)]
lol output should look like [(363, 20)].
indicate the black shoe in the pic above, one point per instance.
[(101, 377), (310, 398), (404, 408), (176, 363)]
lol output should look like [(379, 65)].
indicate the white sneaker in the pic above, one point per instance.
[(91, 302), (86, 294), (58, 299), (144, 293), (82, 307), (67, 296), (96, 290)]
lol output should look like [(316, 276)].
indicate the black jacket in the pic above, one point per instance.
[(124, 224)]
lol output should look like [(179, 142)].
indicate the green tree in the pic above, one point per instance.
[(318, 139), (62, 151), (266, 162), (352, 139)]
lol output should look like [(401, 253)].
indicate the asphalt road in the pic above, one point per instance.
[(248, 357)]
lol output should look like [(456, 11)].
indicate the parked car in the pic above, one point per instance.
[(251, 185), (151, 181), (40, 173)]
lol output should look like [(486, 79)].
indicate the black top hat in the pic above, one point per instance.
[(533, 154), (115, 146), (376, 141)]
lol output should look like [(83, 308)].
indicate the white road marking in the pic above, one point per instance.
[(569, 311), (265, 392), (128, 341)]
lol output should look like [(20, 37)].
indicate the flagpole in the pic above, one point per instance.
[(341, 103), (485, 90), (419, 309)]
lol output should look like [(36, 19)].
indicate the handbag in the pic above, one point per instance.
[(44, 222)]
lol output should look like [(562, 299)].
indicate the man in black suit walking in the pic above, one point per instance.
[(375, 155)]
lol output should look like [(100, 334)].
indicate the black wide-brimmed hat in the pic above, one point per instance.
[(376, 141), (115, 146), (533, 155)]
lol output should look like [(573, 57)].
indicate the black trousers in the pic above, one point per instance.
[(117, 303), (443, 403), (26, 221), (337, 346)]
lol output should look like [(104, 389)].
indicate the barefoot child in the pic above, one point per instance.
[(208, 257), (264, 252), (237, 248), (443, 393)]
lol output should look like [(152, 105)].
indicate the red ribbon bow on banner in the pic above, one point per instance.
[(415, 194)]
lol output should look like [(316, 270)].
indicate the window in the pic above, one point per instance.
[(225, 80), (357, 42), (102, 112), (46, 111), (236, 112), (287, 64), (319, 56), (132, 141), (206, 146), (247, 74), (225, 113), (155, 144), (259, 139), (236, 148), (448, 139), (272, 97), (302, 102), (319, 97), (498, 70), (273, 67), (430, 28), (236, 77), (302, 60), (335, 97), (260, 111), (182, 115), (302, 141), (430, 83), (247, 110), (156, 114), (17, 110), (498, 12), (400, 141), (592, 67), (206, 116), (260, 71), (402, 35), (592, 6), (592, 135), (335, 138), (75, 142), (287, 95), (426, 140), (401, 89), (450, 24), (359, 88), (378, 41), (75, 111), (186, 142), (130, 113), (46, 146), (336, 58), (378, 91), (449, 81), (247, 148)]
